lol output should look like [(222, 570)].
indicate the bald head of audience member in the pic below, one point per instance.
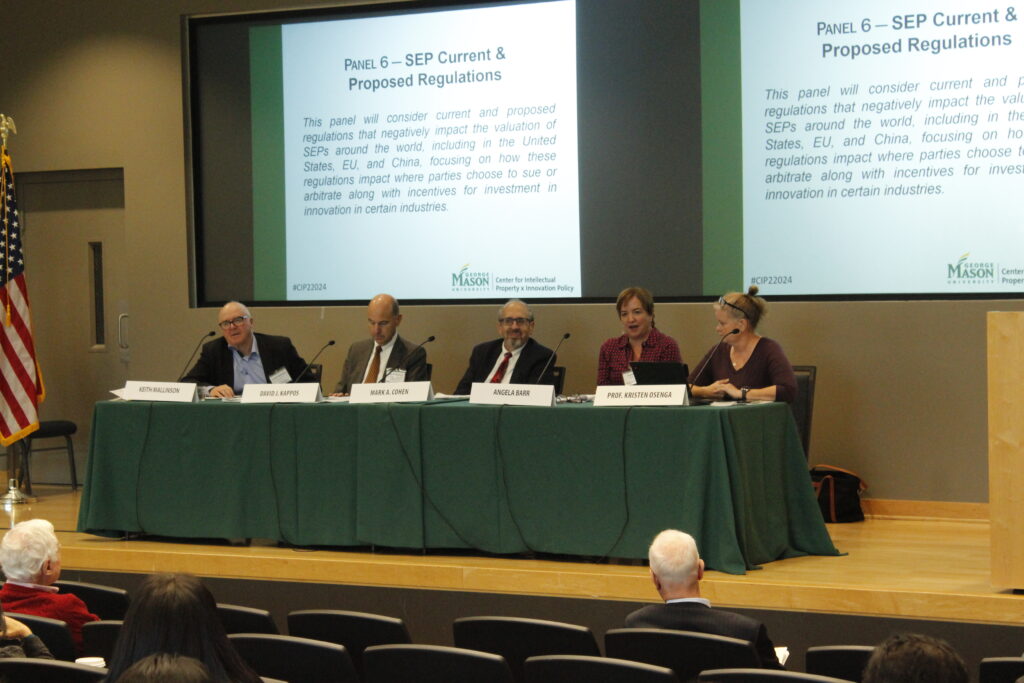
[(914, 658), (676, 567)]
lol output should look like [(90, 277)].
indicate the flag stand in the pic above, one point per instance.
[(14, 496)]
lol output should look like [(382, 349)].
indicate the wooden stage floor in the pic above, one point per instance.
[(911, 568)]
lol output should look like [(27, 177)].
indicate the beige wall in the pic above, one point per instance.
[(97, 83)]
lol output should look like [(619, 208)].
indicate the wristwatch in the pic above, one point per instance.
[(743, 393)]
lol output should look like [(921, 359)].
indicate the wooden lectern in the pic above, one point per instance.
[(1006, 446)]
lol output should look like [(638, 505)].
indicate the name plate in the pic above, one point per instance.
[(305, 392), (391, 392), (541, 395), (176, 392), (642, 395)]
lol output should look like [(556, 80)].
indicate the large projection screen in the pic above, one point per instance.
[(561, 150)]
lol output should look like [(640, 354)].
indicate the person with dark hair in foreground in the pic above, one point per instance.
[(176, 614), (165, 668), (914, 658), (676, 570)]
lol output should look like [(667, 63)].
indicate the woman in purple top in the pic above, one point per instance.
[(640, 341), (749, 367)]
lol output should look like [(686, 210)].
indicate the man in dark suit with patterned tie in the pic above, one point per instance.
[(384, 353), (676, 569), (515, 357)]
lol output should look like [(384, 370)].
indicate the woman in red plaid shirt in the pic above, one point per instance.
[(640, 341)]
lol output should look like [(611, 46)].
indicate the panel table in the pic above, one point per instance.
[(570, 480)]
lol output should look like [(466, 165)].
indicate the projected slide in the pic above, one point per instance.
[(432, 155), (883, 147)]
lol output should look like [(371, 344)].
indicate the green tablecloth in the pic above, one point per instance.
[(574, 480)]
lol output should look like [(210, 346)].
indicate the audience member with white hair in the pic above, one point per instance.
[(676, 569), (30, 557)]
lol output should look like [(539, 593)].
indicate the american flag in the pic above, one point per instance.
[(21, 382)]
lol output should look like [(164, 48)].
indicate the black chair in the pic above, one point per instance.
[(239, 619), (803, 406), (558, 373), (32, 670), (106, 602), (567, 668), (839, 661), (296, 660), (762, 676), (49, 429), (355, 630), (430, 371), (433, 664), (54, 632), (100, 637), (685, 652), (1000, 669), (516, 639)]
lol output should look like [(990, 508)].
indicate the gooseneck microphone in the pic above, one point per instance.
[(206, 336), (403, 364), (711, 355), (552, 358), (310, 364)]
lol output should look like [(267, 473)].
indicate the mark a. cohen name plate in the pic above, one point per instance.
[(391, 392)]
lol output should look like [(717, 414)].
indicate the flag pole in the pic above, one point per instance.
[(14, 496)]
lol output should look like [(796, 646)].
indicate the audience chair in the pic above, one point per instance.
[(567, 668), (106, 602), (355, 630), (32, 670), (762, 676), (100, 637), (433, 664), (54, 632), (803, 406), (1001, 669), (685, 652), (239, 619), (839, 661), (558, 372), (515, 639), (296, 660), (49, 429)]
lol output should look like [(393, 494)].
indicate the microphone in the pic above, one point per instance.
[(310, 364), (553, 354), (711, 355), (206, 336), (388, 371)]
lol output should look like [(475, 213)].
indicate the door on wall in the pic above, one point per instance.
[(75, 262)]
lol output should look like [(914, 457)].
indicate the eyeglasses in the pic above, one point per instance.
[(723, 302), (508, 322), (234, 322)]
